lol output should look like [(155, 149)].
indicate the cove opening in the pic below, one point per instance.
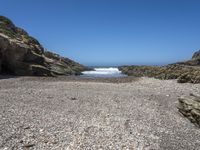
[(103, 72)]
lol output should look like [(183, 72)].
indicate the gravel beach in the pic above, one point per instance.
[(71, 113)]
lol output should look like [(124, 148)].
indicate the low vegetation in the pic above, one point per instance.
[(182, 73), (8, 28)]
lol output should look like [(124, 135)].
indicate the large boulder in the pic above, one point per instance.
[(21, 54), (190, 108)]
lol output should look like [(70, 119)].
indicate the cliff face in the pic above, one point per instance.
[(21, 54)]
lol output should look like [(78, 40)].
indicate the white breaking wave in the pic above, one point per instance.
[(101, 72)]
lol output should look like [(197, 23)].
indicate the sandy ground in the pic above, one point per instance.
[(49, 113)]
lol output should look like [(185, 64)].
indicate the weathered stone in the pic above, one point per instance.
[(190, 108), (21, 54)]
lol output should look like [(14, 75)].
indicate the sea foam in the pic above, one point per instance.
[(104, 72)]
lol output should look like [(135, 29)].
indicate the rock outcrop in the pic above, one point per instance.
[(188, 71), (21, 54), (190, 108), (196, 55)]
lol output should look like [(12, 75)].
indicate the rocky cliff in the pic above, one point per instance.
[(188, 71), (21, 54)]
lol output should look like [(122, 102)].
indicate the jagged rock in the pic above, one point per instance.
[(21, 54), (190, 108)]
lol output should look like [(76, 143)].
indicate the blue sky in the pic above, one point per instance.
[(111, 32)]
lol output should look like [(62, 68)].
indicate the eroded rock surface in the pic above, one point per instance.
[(21, 54), (190, 108)]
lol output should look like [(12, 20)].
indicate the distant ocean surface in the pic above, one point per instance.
[(103, 72)]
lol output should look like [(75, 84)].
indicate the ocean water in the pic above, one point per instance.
[(104, 72)]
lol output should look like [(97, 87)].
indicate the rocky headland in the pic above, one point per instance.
[(188, 71), (21, 54)]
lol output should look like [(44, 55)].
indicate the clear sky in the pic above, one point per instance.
[(111, 32)]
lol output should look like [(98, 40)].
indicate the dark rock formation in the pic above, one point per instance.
[(196, 55), (188, 71), (21, 54), (190, 108)]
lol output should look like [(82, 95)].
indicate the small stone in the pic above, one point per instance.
[(50, 97), (73, 98), (29, 145), (28, 127), (21, 141)]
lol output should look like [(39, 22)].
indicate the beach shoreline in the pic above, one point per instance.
[(124, 79), (70, 113)]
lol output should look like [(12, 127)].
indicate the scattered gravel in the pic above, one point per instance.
[(58, 113)]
